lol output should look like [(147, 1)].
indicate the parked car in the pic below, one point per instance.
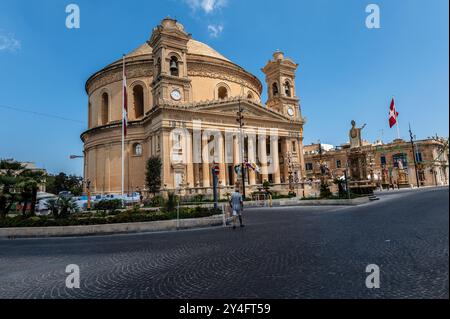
[(131, 198), (65, 194), (42, 201), (81, 202)]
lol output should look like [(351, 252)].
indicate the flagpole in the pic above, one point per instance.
[(396, 118), (123, 125)]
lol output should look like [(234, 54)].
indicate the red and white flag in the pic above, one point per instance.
[(124, 101), (393, 114)]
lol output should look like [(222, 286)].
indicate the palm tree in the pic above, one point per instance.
[(61, 207), (53, 207), (67, 206), (29, 185)]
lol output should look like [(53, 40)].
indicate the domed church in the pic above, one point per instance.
[(183, 100)]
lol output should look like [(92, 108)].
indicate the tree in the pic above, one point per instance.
[(9, 178), (63, 182), (171, 203), (325, 190), (29, 185), (153, 175), (62, 207)]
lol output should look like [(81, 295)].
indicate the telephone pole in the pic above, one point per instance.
[(414, 155)]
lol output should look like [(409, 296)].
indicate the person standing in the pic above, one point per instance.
[(237, 206)]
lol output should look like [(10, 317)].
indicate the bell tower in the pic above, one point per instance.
[(170, 78), (280, 79)]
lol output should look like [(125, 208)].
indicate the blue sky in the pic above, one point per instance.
[(346, 70)]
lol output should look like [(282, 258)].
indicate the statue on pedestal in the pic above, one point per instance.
[(355, 135), (402, 177)]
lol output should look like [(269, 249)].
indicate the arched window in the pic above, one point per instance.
[(137, 149), (174, 66), (105, 109), (275, 89), (222, 93), (287, 89), (250, 96), (138, 96)]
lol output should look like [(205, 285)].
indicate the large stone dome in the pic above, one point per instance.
[(194, 48), (207, 76)]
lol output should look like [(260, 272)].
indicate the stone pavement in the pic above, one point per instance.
[(292, 252)]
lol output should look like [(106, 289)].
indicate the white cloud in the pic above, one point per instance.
[(8, 42), (208, 6), (215, 30)]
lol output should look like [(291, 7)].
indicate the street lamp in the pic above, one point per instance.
[(76, 156), (240, 121), (181, 187), (346, 180)]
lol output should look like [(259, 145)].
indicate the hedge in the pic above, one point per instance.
[(131, 216)]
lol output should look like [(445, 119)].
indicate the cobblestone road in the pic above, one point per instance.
[(306, 252)]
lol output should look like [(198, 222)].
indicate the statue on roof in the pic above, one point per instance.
[(355, 135)]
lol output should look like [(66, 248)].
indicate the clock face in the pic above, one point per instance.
[(290, 111), (176, 95)]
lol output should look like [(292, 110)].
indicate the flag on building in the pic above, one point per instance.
[(393, 114)]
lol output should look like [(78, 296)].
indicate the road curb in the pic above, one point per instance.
[(314, 202), (110, 229)]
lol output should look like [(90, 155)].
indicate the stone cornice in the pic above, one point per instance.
[(197, 66), (113, 74)]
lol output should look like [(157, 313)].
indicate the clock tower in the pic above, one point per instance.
[(170, 78), (280, 79)]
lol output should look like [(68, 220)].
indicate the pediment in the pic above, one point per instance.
[(250, 109)]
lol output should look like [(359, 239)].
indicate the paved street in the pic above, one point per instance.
[(297, 252)]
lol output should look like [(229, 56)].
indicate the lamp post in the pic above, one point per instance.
[(414, 155), (240, 120), (181, 187), (346, 180)]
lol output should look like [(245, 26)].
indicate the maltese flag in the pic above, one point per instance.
[(393, 114)]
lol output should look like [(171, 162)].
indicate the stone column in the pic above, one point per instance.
[(236, 156), (205, 160), (275, 158), (166, 146), (285, 150), (222, 164), (301, 158), (263, 157), (189, 160), (251, 158)]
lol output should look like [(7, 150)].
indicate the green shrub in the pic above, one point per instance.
[(171, 203), (130, 216), (155, 201), (108, 205)]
